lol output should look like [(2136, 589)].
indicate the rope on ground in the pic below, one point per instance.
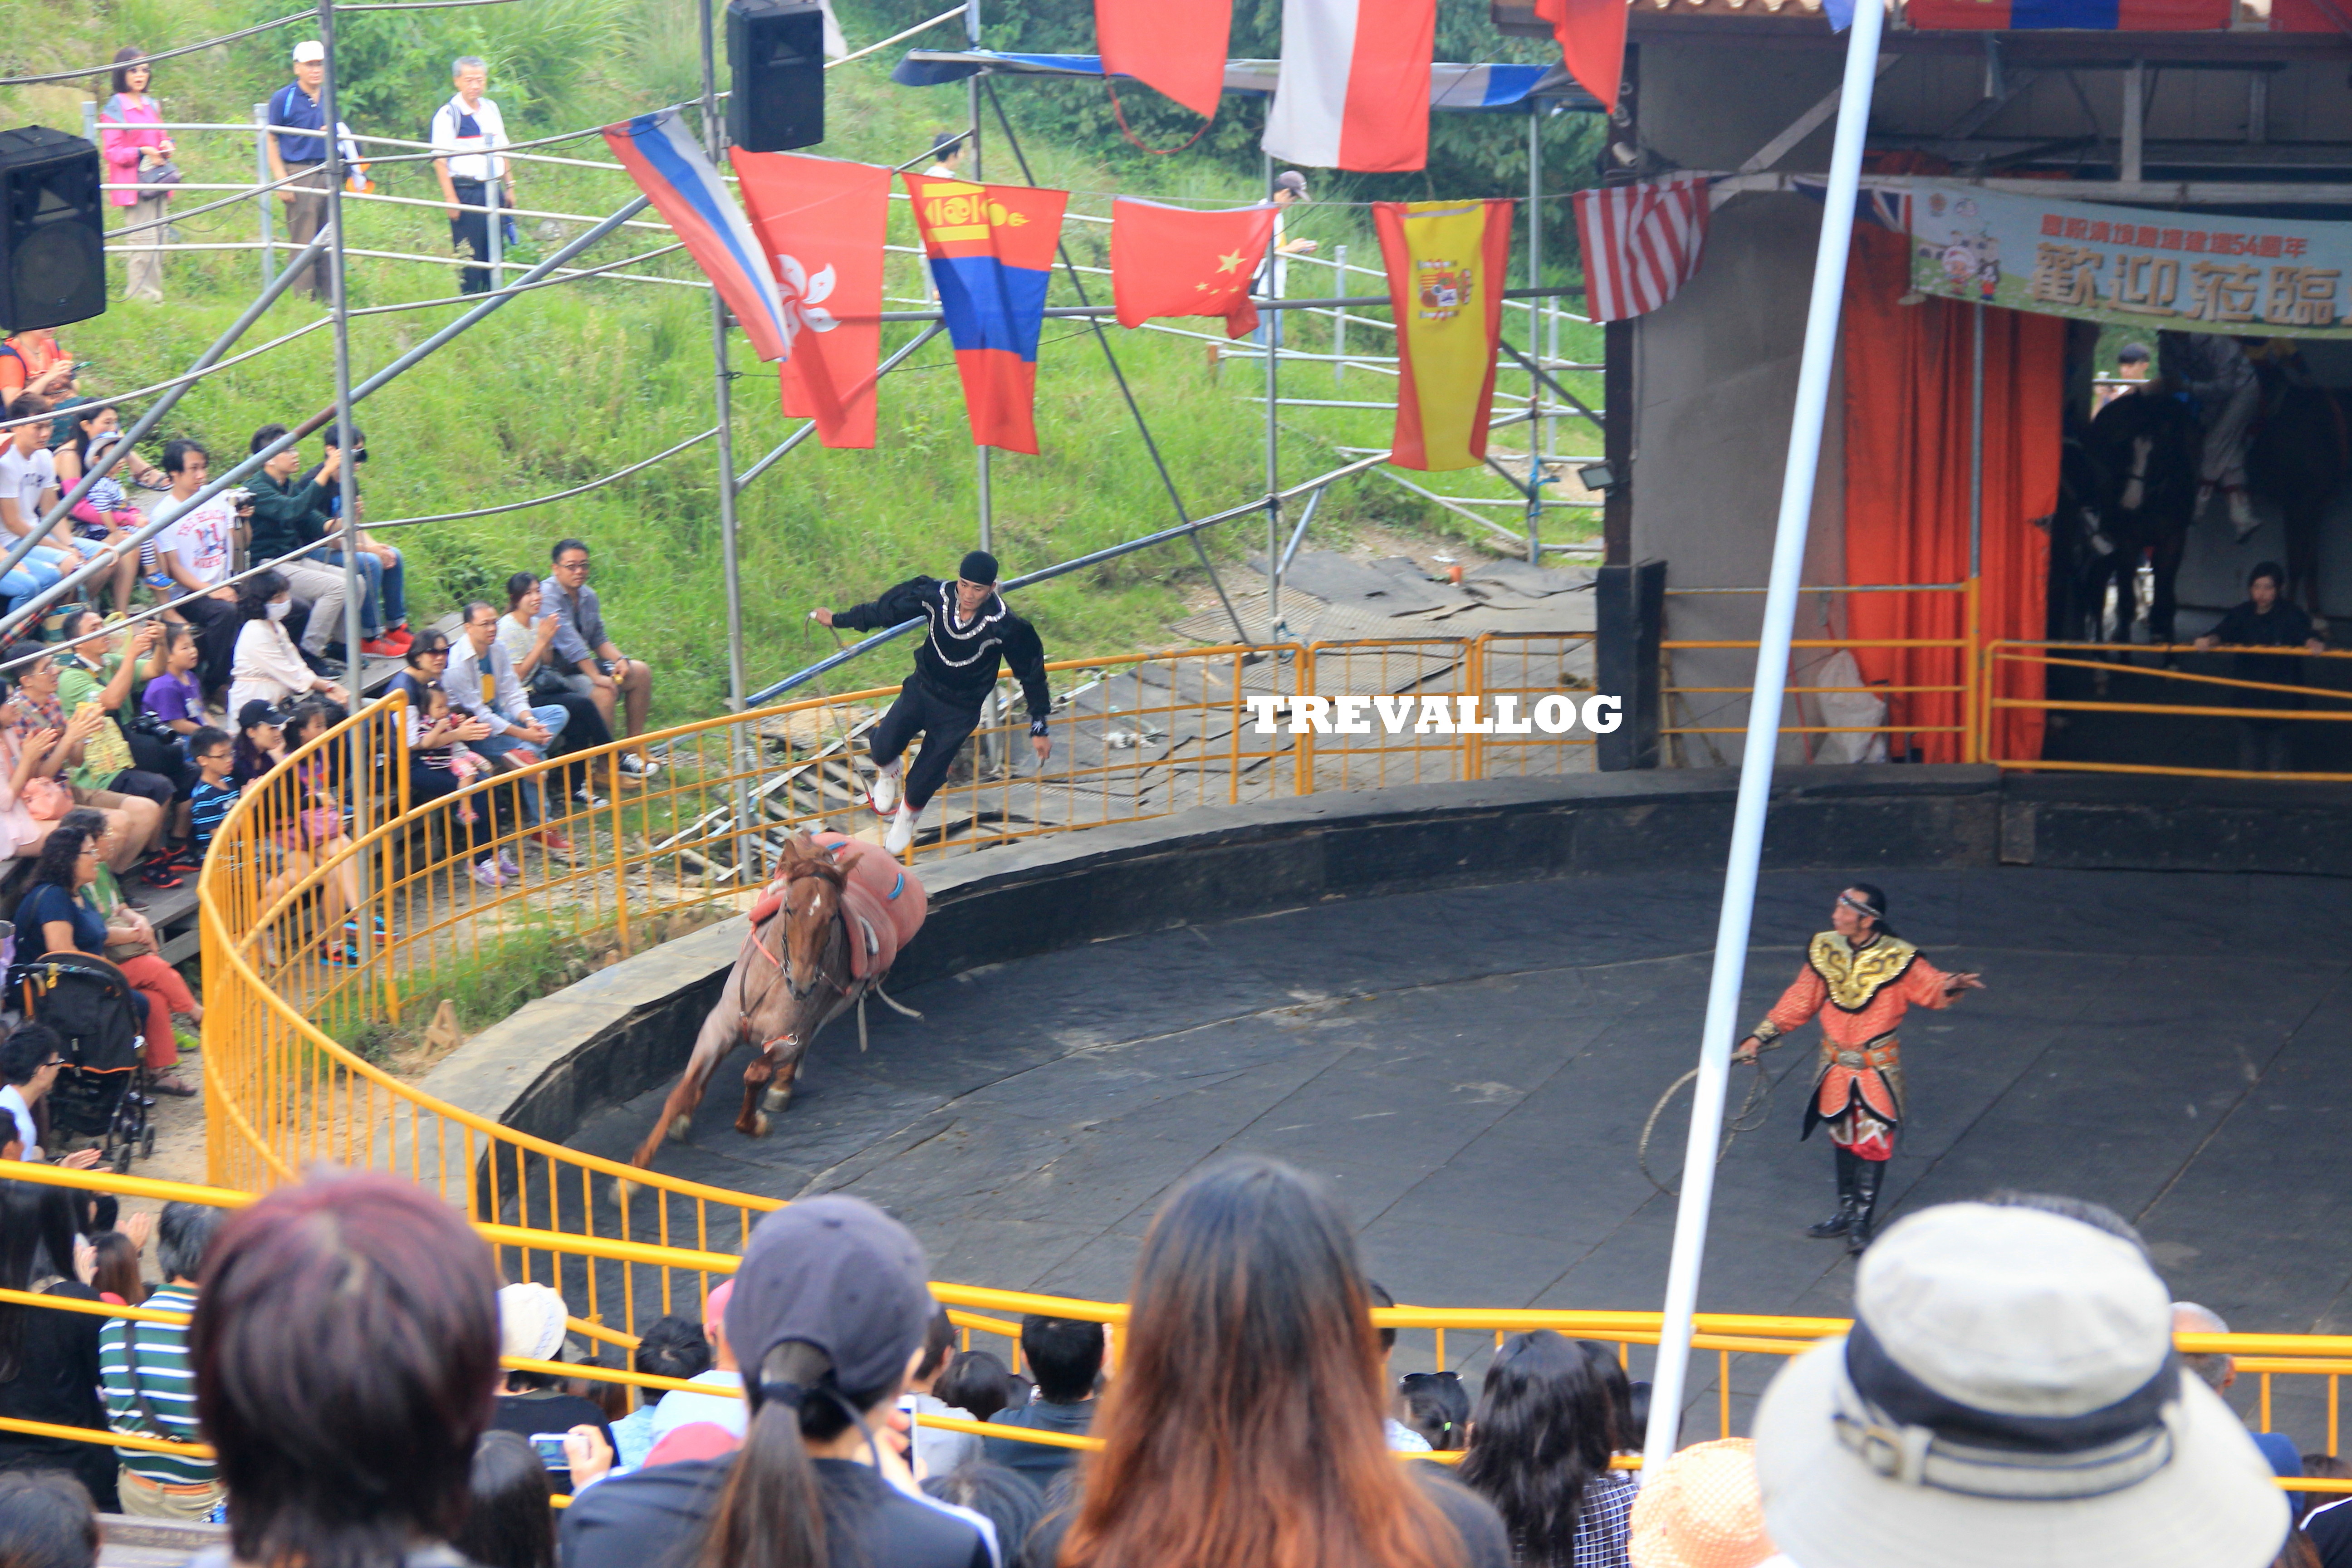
[(1749, 1117)]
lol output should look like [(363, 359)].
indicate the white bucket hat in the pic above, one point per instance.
[(2009, 1398), (531, 1321)]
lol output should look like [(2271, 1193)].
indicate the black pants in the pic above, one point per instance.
[(216, 627), (427, 785), (584, 732), (472, 230), (944, 723), (147, 786), (154, 754)]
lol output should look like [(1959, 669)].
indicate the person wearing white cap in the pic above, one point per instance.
[(531, 1323), (2009, 1397), (299, 106)]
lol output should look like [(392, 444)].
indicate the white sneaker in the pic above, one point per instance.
[(638, 766), (2243, 520), (902, 831), (884, 791)]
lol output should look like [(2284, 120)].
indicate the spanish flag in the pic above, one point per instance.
[(1447, 262), (1175, 262)]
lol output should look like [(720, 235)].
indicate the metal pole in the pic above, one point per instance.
[(492, 189), (347, 471), (1970, 740), (1271, 326), (1535, 333), (1669, 1380), (722, 402), (261, 177), (1339, 321), (981, 454)]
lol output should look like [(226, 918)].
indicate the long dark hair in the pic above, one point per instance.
[(118, 1266), (345, 1341), (82, 417), (36, 1237), (1245, 1422), (773, 1514), (509, 1522), (1541, 1433), (253, 594)]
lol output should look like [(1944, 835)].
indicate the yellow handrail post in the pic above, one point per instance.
[(1972, 737), (1304, 755)]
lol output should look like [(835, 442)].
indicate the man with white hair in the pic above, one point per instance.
[(466, 131), (2220, 1370)]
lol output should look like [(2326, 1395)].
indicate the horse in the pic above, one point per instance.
[(822, 937), (2143, 446), (2301, 456)]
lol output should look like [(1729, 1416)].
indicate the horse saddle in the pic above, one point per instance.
[(882, 903)]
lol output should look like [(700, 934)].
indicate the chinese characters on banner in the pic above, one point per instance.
[(2131, 267)]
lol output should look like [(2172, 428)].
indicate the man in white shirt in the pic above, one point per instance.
[(1273, 276), (466, 129), (481, 681), (28, 488), (196, 552)]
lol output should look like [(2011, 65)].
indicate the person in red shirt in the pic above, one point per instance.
[(34, 363), (1859, 979)]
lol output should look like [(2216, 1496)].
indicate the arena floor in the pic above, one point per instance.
[(1472, 1068)]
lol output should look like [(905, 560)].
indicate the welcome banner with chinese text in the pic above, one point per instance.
[(2130, 265)]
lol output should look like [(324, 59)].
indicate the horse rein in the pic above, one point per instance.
[(756, 944)]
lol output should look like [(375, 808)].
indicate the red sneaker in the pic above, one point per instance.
[(380, 648), (554, 843), (398, 640)]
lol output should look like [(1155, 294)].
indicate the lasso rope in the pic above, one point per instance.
[(1749, 1117)]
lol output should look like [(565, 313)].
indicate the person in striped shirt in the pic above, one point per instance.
[(216, 791), (150, 1380)]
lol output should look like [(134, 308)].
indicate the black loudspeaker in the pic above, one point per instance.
[(775, 50), (52, 250)]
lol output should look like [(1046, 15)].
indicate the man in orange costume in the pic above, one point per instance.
[(1860, 978)]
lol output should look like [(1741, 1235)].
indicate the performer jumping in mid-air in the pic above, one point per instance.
[(970, 631), (1860, 978)]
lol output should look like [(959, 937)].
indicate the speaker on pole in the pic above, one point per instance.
[(52, 249), (775, 52)]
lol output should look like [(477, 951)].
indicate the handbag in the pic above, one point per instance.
[(45, 799), (160, 176)]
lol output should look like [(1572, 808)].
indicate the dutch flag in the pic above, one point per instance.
[(669, 166)]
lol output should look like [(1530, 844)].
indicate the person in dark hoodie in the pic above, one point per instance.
[(289, 513), (968, 632)]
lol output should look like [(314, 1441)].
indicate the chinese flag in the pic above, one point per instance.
[(991, 251), (1447, 263), (1592, 35), (1175, 262), (1175, 45), (820, 223)]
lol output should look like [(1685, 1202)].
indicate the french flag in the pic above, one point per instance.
[(1354, 90), (669, 167)]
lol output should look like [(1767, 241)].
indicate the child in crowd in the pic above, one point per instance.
[(216, 791), (462, 765), (173, 698)]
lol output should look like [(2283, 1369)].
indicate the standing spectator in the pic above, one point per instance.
[(2009, 1397), (33, 713), (1066, 1355), (151, 1384), (511, 1520), (297, 106), (192, 551), (138, 154), (827, 1312), (31, 361), (531, 1323), (2131, 367), (1701, 1509), (268, 668), (47, 1522), (671, 1346), (48, 1358), (2266, 619), (1274, 278), (947, 152), (432, 741), (289, 513), (481, 681), (1246, 1418), (940, 1450), (2220, 1371), (384, 574), (346, 1344), (529, 637), (28, 489), (599, 670), (1541, 1438), (466, 130), (56, 915)]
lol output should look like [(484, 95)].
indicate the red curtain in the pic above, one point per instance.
[(1906, 485)]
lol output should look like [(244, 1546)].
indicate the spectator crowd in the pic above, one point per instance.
[(2008, 1395)]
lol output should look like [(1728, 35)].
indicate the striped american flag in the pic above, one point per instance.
[(1641, 241)]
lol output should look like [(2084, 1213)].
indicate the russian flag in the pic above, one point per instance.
[(1354, 88), (2087, 16), (669, 167), (991, 251)]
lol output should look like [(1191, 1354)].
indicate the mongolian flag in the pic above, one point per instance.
[(1447, 263), (1175, 45), (820, 223), (669, 165), (1175, 262), (1354, 88), (991, 250)]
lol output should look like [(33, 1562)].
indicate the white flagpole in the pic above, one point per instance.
[(1668, 1382)]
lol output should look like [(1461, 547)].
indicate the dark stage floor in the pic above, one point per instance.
[(1472, 1068)]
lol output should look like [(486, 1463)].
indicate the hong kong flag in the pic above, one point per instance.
[(991, 250), (1175, 262), (821, 222)]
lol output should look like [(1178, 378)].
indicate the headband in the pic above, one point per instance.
[(1862, 907), (1908, 1432)]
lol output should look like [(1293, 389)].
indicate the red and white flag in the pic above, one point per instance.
[(1175, 45), (1354, 88), (820, 223), (1641, 242)]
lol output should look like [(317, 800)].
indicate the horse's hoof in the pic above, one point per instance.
[(775, 1099), (623, 1192), (760, 1124), (677, 1128)]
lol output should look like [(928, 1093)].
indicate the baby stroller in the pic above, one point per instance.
[(102, 1092)]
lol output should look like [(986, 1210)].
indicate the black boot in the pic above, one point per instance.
[(1870, 1176), (1842, 1221)]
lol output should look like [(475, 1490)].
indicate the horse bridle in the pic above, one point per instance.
[(753, 939)]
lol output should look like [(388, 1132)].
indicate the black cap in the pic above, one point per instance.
[(259, 711), (838, 1274), (979, 566)]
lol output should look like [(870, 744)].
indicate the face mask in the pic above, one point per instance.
[(277, 608)]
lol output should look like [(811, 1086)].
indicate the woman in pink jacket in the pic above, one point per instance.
[(135, 144)]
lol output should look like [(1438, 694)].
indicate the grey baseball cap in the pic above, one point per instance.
[(837, 1274)]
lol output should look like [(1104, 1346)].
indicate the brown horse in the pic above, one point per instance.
[(792, 977)]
